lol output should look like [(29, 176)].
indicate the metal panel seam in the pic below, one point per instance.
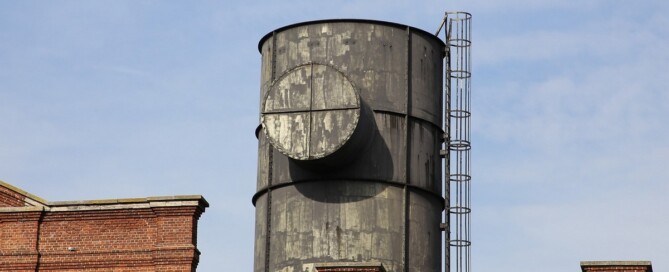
[(407, 161), (270, 154)]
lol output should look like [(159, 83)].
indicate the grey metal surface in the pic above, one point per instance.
[(364, 98)]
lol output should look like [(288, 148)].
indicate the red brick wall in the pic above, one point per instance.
[(18, 240), (9, 198), (133, 239)]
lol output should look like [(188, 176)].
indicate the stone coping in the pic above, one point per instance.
[(616, 263), (585, 264), (21, 209), (30, 196), (103, 204), (179, 198), (115, 204)]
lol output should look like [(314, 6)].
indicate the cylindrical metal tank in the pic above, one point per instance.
[(349, 169)]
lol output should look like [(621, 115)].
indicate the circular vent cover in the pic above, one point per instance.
[(310, 111)]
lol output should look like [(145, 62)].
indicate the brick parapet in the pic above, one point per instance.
[(616, 266), (619, 269), (140, 234), (11, 196)]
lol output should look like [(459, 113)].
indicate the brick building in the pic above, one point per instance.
[(137, 234), (616, 266)]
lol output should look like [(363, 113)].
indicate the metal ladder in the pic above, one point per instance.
[(457, 138)]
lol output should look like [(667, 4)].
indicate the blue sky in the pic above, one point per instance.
[(116, 99)]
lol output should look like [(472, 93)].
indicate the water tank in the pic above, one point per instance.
[(349, 171)]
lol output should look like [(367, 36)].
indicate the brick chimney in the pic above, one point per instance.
[(616, 266)]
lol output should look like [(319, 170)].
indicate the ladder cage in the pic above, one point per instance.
[(457, 127)]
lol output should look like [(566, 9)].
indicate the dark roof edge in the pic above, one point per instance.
[(369, 21)]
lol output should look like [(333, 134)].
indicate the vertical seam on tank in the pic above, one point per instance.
[(407, 148), (311, 102), (270, 154), (447, 135)]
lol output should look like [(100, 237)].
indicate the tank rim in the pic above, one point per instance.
[(369, 21)]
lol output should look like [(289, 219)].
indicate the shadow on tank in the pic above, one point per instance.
[(360, 175)]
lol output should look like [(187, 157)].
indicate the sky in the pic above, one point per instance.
[(120, 99)]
